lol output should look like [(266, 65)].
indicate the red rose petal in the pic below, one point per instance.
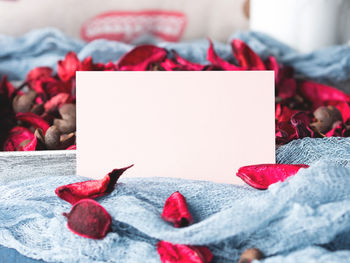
[(176, 253), (217, 61), (55, 102), (72, 193), (287, 88), (39, 73), (72, 147), (318, 94), (263, 175), (141, 57), (33, 119), (17, 136), (170, 65), (175, 211), (66, 68), (187, 64), (245, 56), (89, 219)]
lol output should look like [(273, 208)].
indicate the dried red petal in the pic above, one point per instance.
[(89, 219), (318, 94), (39, 73), (283, 113), (72, 193), (72, 147), (66, 68), (187, 64), (175, 211), (49, 87), (141, 57), (263, 175), (287, 88), (170, 65), (33, 119), (217, 61), (245, 56), (301, 124), (20, 139), (55, 102), (177, 253)]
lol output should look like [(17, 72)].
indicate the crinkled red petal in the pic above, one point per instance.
[(177, 253), (17, 136), (287, 88), (33, 119), (283, 113), (176, 211), (217, 61), (318, 93), (245, 56), (66, 68), (187, 64), (39, 73), (72, 147), (141, 57), (263, 175), (72, 193), (55, 102), (89, 219)]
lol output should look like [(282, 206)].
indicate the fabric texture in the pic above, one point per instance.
[(304, 219)]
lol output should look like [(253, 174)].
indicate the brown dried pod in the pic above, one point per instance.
[(67, 140), (24, 102), (38, 109), (250, 254), (246, 8), (325, 117), (68, 122), (52, 138), (39, 134)]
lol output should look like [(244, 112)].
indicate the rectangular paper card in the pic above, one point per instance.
[(193, 125)]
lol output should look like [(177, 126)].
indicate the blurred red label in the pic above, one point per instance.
[(130, 27)]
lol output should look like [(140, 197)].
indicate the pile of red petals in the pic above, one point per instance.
[(89, 219), (40, 114)]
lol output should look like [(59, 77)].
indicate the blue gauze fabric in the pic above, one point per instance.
[(304, 219)]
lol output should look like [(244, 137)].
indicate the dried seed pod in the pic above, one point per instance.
[(24, 102), (52, 138), (38, 109), (251, 254), (67, 140), (246, 8), (89, 219), (68, 122), (325, 117)]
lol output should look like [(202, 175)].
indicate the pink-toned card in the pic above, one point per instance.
[(192, 125)]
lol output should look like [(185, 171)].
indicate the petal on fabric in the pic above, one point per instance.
[(263, 175), (245, 56), (66, 68), (73, 193), (176, 211), (177, 253), (217, 61), (141, 57), (89, 219)]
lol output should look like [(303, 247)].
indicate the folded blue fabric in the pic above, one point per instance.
[(305, 219)]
